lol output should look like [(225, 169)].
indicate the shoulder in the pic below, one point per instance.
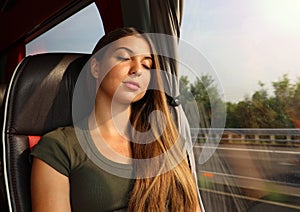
[(67, 134), (58, 141), (58, 148), (60, 133), (64, 135), (62, 139)]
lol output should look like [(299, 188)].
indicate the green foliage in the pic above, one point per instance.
[(261, 110), (264, 111), (205, 94)]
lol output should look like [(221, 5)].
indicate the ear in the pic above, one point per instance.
[(95, 68)]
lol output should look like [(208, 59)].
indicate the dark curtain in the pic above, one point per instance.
[(9, 59), (111, 14)]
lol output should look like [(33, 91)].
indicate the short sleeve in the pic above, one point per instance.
[(53, 149)]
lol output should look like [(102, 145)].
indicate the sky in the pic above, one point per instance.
[(245, 41), (242, 42), (79, 33)]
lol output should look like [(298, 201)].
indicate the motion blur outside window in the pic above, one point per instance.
[(247, 62)]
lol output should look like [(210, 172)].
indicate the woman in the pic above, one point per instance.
[(130, 127)]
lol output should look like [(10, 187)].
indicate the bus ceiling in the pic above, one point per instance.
[(26, 19)]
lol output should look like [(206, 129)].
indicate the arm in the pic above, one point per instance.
[(50, 189)]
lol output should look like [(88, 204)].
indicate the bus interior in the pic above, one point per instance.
[(254, 167)]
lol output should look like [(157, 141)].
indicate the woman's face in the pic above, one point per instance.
[(126, 68)]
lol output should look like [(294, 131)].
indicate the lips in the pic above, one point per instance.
[(132, 85)]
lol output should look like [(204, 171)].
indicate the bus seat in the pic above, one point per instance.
[(2, 92), (2, 198), (38, 100)]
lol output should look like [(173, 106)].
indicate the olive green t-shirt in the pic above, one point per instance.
[(92, 187)]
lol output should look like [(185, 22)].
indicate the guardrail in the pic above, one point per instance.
[(248, 135)]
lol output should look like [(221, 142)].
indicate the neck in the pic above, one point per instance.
[(111, 119), (108, 127)]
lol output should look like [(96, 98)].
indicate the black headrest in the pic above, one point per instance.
[(40, 94)]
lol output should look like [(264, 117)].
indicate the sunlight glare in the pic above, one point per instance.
[(283, 14)]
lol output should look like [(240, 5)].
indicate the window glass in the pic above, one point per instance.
[(244, 56), (79, 33)]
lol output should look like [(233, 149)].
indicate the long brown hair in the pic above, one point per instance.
[(170, 188)]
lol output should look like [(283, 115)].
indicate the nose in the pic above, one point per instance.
[(136, 68)]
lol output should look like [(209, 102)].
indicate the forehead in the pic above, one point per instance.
[(136, 43)]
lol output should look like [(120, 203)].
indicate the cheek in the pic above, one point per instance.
[(110, 82), (146, 80), (114, 77)]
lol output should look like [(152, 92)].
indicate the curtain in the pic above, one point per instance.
[(166, 17), (9, 59), (111, 14)]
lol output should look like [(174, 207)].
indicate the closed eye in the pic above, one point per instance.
[(147, 67), (147, 63), (122, 54), (122, 58)]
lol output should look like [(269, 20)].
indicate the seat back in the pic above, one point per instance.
[(38, 100), (2, 93), (3, 205)]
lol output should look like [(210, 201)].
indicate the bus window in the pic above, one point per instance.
[(243, 56), (72, 35)]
